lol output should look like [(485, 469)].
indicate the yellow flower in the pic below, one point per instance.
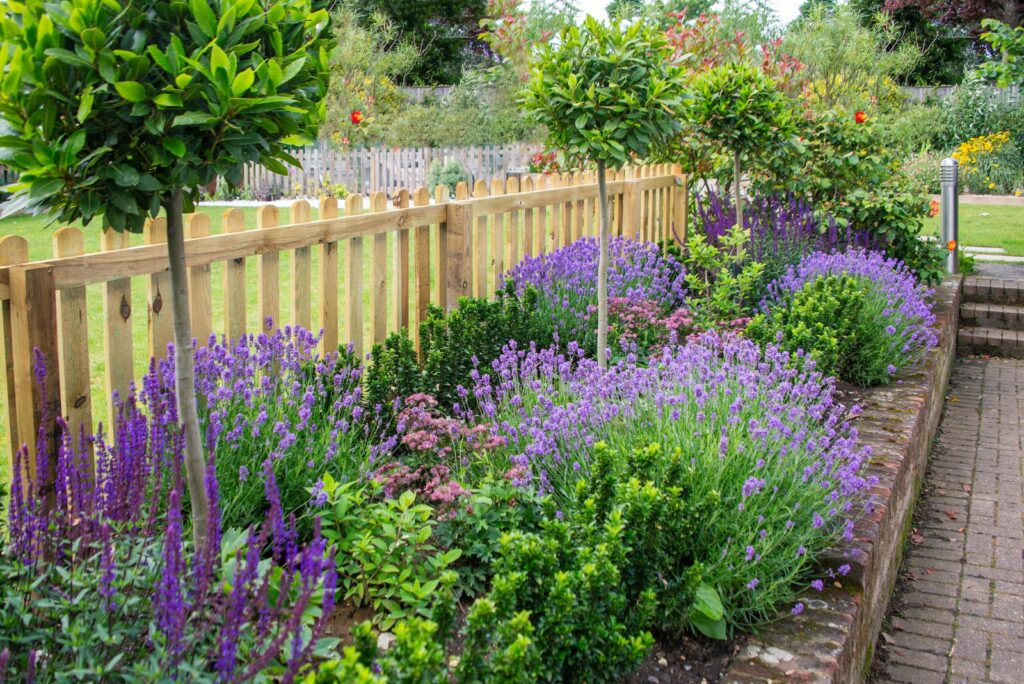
[(991, 186)]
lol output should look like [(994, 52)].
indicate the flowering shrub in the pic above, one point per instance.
[(544, 162), (106, 584), (270, 399), (991, 164), (741, 428), (565, 281), (638, 325), (859, 315)]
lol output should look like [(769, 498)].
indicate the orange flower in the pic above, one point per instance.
[(356, 117), (860, 117), (933, 210), (951, 245)]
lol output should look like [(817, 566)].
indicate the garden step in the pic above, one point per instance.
[(991, 341), (984, 315), (993, 290)]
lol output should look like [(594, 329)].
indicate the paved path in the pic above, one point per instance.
[(959, 617)]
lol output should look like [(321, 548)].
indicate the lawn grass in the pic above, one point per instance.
[(988, 225)]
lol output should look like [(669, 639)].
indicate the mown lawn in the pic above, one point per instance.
[(984, 225)]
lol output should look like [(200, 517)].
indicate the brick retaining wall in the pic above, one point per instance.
[(832, 641)]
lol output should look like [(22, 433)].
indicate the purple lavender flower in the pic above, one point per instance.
[(797, 609)]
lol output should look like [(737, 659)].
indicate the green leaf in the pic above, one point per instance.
[(194, 119), (85, 105), (133, 91), (124, 175), (707, 602), (45, 187), (165, 100), (713, 629), (243, 81), (204, 16)]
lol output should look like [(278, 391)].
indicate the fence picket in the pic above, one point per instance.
[(302, 271), (354, 321), (329, 280), (512, 188), (528, 228), (117, 326), (421, 198), (497, 236), (480, 243), (268, 274), (199, 285), (158, 292), (401, 267), (233, 221)]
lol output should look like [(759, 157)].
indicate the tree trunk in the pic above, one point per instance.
[(184, 376), (739, 191), (602, 270)]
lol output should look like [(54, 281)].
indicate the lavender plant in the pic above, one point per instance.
[(271, 399), (860, 315), (103, 583), (740, 427), (564, 280)]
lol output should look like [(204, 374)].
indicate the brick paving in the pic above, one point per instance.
[(959, 617)]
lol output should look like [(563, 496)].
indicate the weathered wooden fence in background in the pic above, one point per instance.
[(919, 94), (371, 169), (390, 264)]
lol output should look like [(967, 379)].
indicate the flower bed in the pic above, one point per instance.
[(568, 515)]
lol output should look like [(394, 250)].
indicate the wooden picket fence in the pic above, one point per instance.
[(437, 250), (388, 169)]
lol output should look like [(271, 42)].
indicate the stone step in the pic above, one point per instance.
[(991, 341), (984, 315), (981, 289)]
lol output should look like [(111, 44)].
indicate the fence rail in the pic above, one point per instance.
[(377, 270), (388, 169)]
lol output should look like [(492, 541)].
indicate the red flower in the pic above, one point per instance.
[(951, 245), (356, 117), (860, 117), (933, 209)]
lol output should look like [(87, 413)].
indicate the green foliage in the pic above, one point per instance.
[(384, 551), (846, 172), (445, 32), (823, 319), (449, 175), (106, 107), (452, 345), (741, 108), (722, 283), (605, 93), (1008, 42), (369, 58), (495, 508)]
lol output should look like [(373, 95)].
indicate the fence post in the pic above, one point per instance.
[(459, 221), (13, 250), (680, 205), (34, 327), (948, 176)]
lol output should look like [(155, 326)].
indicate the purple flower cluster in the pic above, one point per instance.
[(271, 399), (897, 303), (781, 227), (565, 280), (118, 525), (758, 434)]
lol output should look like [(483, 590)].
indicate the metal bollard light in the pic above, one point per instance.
[(950, 210)]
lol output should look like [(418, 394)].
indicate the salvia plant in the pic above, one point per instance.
[(100, 580), (564, 280), (863, 315)]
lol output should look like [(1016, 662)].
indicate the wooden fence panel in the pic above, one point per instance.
[(497, 237), (160, 319), (421, 198), (13, 251), (528, 220)]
